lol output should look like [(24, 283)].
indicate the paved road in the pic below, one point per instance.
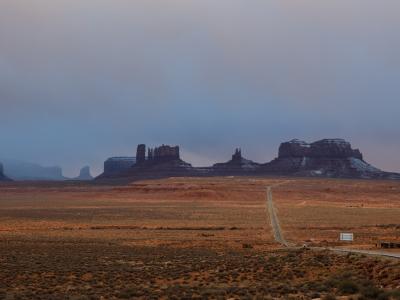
[(366, 252), (276, 227), (278, 235)]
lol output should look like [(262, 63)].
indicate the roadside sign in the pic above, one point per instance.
[(348, 237)]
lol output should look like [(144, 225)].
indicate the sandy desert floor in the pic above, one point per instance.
[(195, 238)]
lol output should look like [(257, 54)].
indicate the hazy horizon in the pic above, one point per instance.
[(81, 81)]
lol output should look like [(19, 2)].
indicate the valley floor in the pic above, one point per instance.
[(195, 238)]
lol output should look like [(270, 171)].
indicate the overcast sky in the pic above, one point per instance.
[(82, 80)]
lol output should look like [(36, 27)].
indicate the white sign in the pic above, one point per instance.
[(349, 237)]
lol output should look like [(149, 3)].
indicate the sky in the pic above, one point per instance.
[(83, 80)]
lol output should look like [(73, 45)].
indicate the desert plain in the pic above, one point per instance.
[(201, 238)]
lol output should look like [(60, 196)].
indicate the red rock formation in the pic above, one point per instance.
[(2, 176), (333, 148), (164, 153), (150, 154), (328, 148), (328, 158), (84, 174), (294, 148), (325, 158), (115, 165), (141, 153), (237, 156), (236, 166)]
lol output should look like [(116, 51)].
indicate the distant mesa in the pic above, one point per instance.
[(294, 148), (116, 165), (325, 158), (162, 161), (21, 170), (141, 154), (162, 154), (84, 174), (124, 166), (2, 176)]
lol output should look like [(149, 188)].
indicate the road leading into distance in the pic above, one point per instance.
[(276, 227)]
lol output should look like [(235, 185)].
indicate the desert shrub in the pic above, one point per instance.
[(315, 295), (347, 287), (395, 294), (384, 296), (272, 259), (372, 292), (299, 273), (323, 259), (317, 287), (128, 293), (320, 287), (80, 297), (331, 282), (346, 275)]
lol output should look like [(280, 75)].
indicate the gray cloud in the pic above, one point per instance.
[(83, 80)]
